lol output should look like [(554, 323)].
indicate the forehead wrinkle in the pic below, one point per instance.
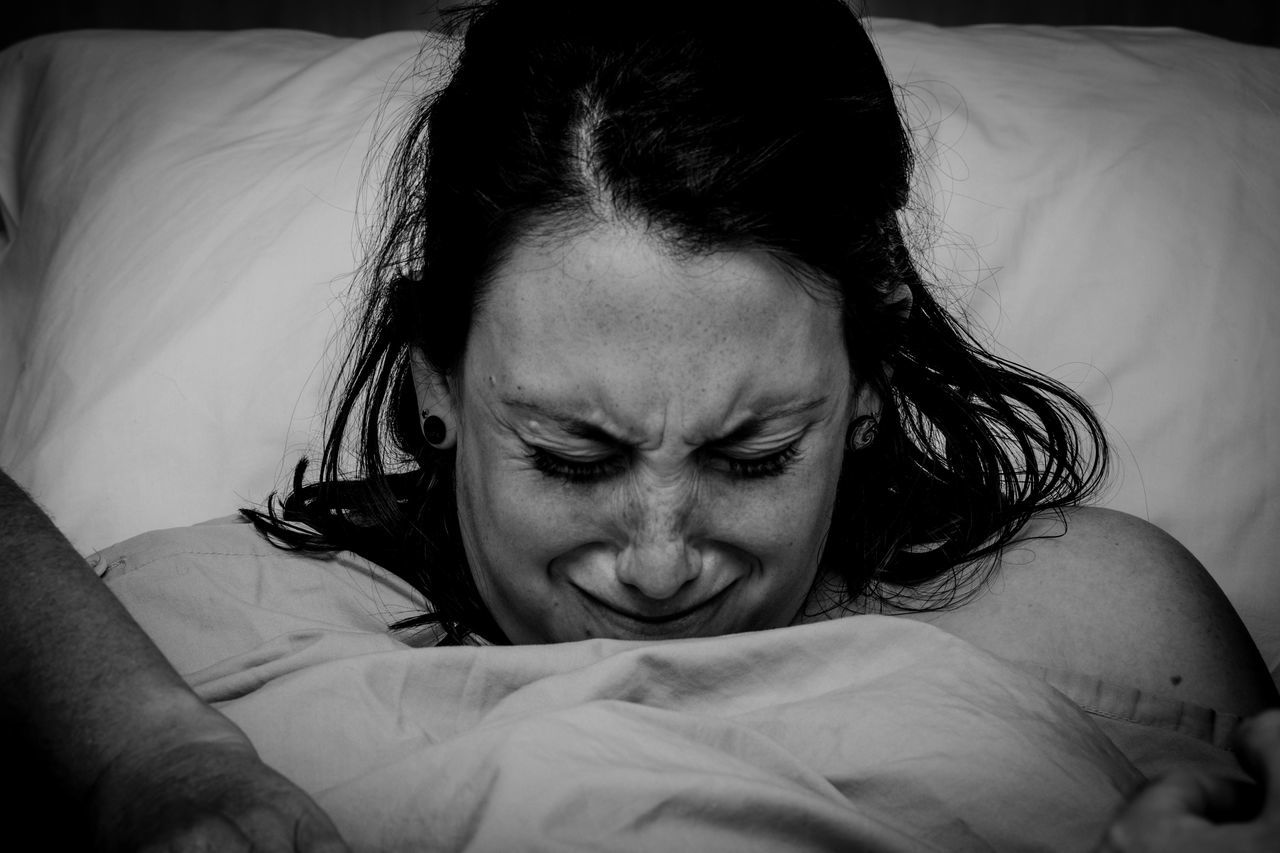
[(641, 345), (695, 412), (595, 425), (756, 423)]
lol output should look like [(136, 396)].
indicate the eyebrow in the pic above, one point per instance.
[(578, 427), (754, 426), (568, 423)]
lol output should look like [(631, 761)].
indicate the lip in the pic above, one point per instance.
[(674, 623)]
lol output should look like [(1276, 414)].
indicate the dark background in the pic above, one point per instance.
[(1255, 21)]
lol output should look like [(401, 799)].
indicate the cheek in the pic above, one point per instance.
[(791, 512), (782, 524), (783, 527), (510, 509), (512, 527)]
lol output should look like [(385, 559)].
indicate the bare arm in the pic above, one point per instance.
[(109, 717), (78, 662), (1118, 598)]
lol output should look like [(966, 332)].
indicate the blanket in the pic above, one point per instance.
[(865, 733)]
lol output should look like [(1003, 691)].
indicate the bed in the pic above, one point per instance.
[(181, 215)]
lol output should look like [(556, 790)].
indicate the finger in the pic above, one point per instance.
[(1257, 745), (1213, 798), (315, 833)]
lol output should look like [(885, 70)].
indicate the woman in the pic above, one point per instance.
[(646, 356)]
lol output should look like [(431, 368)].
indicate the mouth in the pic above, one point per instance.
[(625, 622)]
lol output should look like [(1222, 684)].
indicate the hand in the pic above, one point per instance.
[(1186, 812), (205, 795)]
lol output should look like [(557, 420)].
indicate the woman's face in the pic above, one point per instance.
[(648, 447)]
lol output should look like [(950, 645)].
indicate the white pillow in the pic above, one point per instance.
[(180, 228), (184, 239)]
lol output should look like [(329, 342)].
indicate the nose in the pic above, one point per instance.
[(659, 558)]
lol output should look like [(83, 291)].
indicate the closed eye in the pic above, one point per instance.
[(758, 467), (581, 471), (576, 470)]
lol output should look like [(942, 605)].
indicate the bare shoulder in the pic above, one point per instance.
[(1105, 593)]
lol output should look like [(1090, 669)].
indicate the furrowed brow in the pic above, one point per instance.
[(753, 427), (570, 424)]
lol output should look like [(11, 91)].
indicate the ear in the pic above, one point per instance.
[(435, 397), (865, 424)]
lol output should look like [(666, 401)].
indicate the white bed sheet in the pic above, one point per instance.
[(871, 733)]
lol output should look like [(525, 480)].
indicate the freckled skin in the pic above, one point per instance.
[(664, 355)]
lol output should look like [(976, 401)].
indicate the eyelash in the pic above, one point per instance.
[(559, 468), (568, 471), (773, 465)]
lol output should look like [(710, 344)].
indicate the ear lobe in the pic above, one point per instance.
[(435, 401)]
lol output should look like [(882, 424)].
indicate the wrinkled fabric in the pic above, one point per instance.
[(863, 733)]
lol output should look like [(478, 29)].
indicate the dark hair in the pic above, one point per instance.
[(714, 125)]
